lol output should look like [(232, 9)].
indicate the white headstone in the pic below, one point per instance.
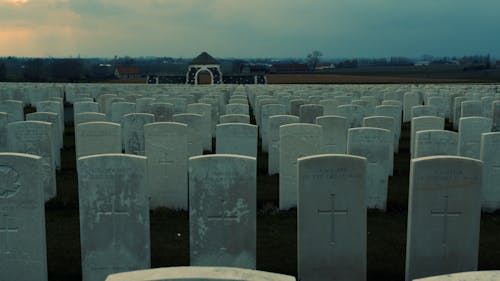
[(14, 109), (471, 109), (222, 210), (410, 100), (89, 117), (23, 251), (444, 212), (57, 139), (495, 109), (469, 135), (424, 123), (388, 123), (35, 137), (162, 111), (309, 112), (296, 140), (133, 132), (435, 142), (53, 106), (191, 273), (81, 107), (353, 114), (267, 111), (274, 140), (3, 131), (236, 108), (423, 110), (118, 109), (490, 155), (329, 106), (375, 145), (167, 155), (98, 138), (194, 132), (334, 137), (204, 110), (331, 218), (236, 138), (114, 214), (234, 118)]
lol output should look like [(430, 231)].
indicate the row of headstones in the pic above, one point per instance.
[(444, 211)]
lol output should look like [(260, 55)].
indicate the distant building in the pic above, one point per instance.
[(324, 67), (127, 72), (204, 69)]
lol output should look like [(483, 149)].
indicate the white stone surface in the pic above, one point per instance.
[(295, 106), (35, 137), (167, 156), (471, 109), (191, 273), (3, 131), (492, 275), (274, 140), (353, 114), (457, 109), (469, 135), (53, 106), (444, 211), (267, 111), (490, 155), (81, 107), (411, 99), (118, 109), (162, 111), (423, 123), (388, 123), (296, 140), (236, 138), (57, 137), (22, 219), (309, 112), (495, 109), (14, 109), (423, 110), (234, 118), (89, 117), (222, 210), (237, 108), (194, 131), (331, 218), (114, 215), (142, 105), (329, 106), (394, 112), (375, 145), (98, 138), (204, 110), (133, 132), (334, 137), (436, 142)]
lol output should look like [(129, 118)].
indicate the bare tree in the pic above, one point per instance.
[(313, 59)]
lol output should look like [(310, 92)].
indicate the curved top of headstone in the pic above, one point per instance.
[(193, 273), (466, 276), (204, 58)]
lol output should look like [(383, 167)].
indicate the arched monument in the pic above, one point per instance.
[(201, 63)]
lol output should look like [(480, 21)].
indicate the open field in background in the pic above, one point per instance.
[(276, 231)]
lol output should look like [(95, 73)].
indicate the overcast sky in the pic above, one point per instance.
[(250, 28)]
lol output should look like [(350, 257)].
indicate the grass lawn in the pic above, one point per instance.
[(276, 231)]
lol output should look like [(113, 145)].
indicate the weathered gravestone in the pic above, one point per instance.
[(23, 252), (457, 109), (410, 100), (236, 138), (296, 140), (440, 104), (353, 114), (274, 140), (491, 275), (236, 108), (423, 110), (295, 106), (394, 112), (192, 273), (98, 138), (444, 212), (495, 109), (423, 123), (81, 107), (329, 106), (222, 210), (490, 155), (375, 145), (3, 131), (51, 118), (234, 118), (14, 110), (118, 109), (35, 137), (334, 137), (55, 107), (89, 117), (114, 214), (162, 111), (142, 105), (435, 142), (205, 110), (133, 132), (309, 112), (331, 218), (167, 155), (384, 122), (194, 131), (471, 109), (469, 135), (267, 111)]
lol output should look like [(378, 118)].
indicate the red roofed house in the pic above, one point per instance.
[(127, 72)]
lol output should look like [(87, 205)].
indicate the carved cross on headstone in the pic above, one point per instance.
[(113, 214), (8, 229), (165, 161), (332, 212), (445, 213)]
